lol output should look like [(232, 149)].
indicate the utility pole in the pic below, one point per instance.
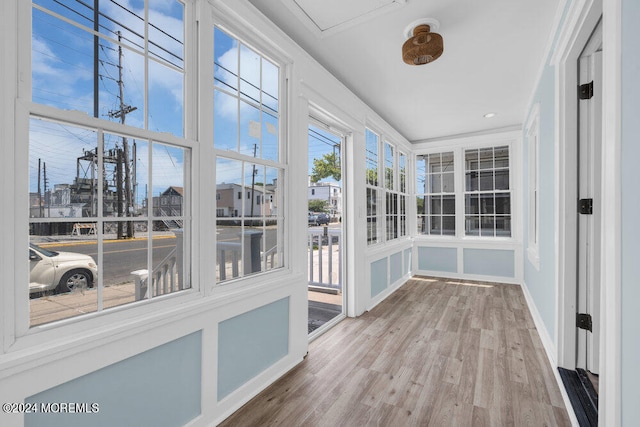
[(125, 195)]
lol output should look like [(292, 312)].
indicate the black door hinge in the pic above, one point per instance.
[(585, 91), (583, 321), (585, 206)]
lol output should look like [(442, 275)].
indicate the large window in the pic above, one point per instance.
[(248, 160), (480, 206), (109, 199), (435, 194), (386, 198), (487, 192)]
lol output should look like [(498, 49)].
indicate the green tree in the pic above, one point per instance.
[(317, 205), (326, 166)]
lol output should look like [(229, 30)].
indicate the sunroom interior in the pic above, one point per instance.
[(157, 165)]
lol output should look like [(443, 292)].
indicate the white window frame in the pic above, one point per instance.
[(383, 190), (532, 135), (440, 193), (458, 147), (17, 314), (268, 52)]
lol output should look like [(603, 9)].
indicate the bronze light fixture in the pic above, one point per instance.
[(424, 46)]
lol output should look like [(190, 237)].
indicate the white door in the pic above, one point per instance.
[(589, 204)]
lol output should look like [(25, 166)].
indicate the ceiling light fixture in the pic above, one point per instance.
[(423, 46), (490, 115)]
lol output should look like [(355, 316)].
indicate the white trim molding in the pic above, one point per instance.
[(609, 407)]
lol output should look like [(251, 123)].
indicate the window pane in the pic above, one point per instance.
[(502, 179), (447, 183), (270, 85), (436, 183), (168, 274), (269, 137), (372, 158), (487, 204), (502, 157), (486, 180), (449, 205), (166, 32), (254, 184), (447, 161), (420, 203), (449, 225), (168, 182), (472, 224), (225, 121), (225, 61), (229, 183), (436, 204), (486, 158), (436, 224), (471, 181), (62, 60), (250, 130), (471, 160), (503, 226), (434, 163), (503, 203), (472, 204), (166, 99), (249, 74), (125, 165), (228, 249), (487, 226), (60, 180)]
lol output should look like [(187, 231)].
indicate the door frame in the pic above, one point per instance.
[(584, 20), (580, 20)]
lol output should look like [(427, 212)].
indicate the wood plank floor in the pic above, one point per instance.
[(435, 353)]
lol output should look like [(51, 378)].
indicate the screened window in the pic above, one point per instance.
[(487, 192), (435, 194), (247, 149), (108, 210)]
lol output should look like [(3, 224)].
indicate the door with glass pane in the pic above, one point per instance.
[(325, 231)]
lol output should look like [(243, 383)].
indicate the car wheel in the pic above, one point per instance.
[(75, 279)]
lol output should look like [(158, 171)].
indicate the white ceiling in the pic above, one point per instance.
[(493, 50)]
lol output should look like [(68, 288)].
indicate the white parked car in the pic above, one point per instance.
[(60, 271)]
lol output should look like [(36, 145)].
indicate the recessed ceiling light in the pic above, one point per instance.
[(490, 115)]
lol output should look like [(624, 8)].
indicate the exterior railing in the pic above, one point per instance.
[(325, 260), (166, 277)]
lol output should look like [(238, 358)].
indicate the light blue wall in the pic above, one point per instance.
[(250, 343), (160, 387), (489, 262), (541, 283), (630, 259), (438, 259), (407, 261), (378, 276), (395, 267)]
